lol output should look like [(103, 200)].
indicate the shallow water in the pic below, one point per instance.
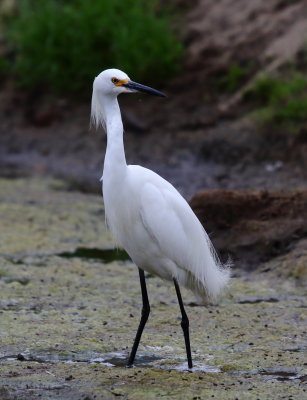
[(104, 255)]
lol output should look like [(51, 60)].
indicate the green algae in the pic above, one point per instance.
[(76, 316), (41, 220), (229, 367)]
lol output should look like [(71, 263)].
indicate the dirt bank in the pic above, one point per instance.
[(253, 226)]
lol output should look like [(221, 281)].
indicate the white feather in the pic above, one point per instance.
[(162, 234), (146, 214), (97, 110)]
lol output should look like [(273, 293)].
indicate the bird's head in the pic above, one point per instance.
[(110, 83)]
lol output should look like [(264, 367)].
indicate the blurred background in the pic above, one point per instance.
[(234, 72)]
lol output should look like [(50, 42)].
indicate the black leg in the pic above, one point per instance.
[(144, 318), (184, 325)]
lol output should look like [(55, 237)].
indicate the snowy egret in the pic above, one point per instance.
[(148, 217)]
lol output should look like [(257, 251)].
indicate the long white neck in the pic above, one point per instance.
[(115, 161)]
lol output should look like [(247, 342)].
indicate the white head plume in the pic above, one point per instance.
[(98, 117)]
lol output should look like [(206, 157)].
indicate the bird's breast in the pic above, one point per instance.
[(121, 209)]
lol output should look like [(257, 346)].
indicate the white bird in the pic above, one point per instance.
[(148, 217)]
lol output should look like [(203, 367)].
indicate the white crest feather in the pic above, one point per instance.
[(97, 111)]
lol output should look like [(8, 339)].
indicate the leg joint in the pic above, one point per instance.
[(185, 323), (145, 311)]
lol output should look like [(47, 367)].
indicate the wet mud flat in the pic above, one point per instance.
[(70, 306)]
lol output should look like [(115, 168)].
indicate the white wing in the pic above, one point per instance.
[(171, 222), (164, 214)]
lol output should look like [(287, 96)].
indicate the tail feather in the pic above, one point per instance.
[(216, 274), (209, 276)]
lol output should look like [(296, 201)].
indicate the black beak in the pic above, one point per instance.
[(137, 87)]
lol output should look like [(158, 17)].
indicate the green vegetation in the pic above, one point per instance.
[(64, 44), (281, 102), (4, 66), (233, 78)]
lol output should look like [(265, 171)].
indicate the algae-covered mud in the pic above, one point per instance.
[(70, 306)]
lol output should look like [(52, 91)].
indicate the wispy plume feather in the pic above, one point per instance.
[(97, 111)]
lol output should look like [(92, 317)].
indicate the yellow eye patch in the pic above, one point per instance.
[(119, 82)]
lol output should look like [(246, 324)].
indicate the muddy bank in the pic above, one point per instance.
[(67, 322), (253, 226)]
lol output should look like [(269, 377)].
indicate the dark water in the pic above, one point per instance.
[(105, 256)]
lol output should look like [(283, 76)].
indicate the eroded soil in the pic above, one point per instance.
[(254, 226)]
